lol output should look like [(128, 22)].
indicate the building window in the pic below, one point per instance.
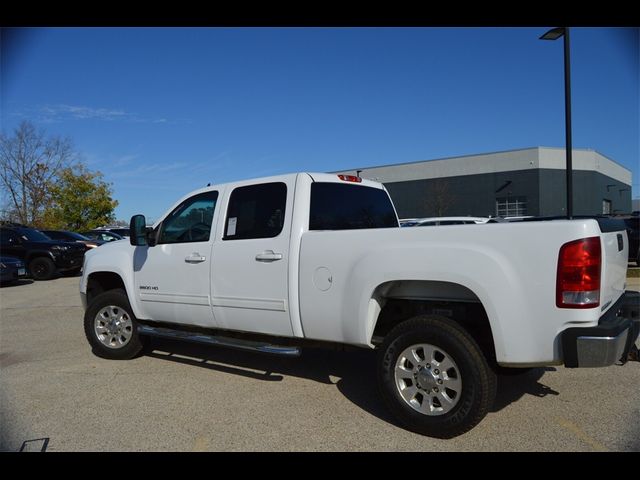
[(606, 206), (511, 206)]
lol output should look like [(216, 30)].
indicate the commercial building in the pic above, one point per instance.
[(511, 183)]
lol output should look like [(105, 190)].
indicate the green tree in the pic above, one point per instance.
[(80, 200)]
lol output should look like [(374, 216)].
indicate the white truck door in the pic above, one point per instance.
[(250, 261), (172, 278)]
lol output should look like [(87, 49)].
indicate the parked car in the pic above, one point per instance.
[(43, 256), (410, 222), (68, 236), (102, 235), (11, 269), (122, 231), (277, 264), (453, 221)]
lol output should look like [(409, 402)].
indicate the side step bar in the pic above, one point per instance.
[(237, 343)]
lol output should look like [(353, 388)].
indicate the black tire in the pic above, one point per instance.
[(477, 379), (42, 268), (118, 303)]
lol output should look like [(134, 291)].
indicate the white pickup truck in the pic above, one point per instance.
[(275, 264)]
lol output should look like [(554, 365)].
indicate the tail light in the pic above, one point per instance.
[(578, 279)]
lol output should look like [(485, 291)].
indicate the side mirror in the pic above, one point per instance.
[(138, 231)]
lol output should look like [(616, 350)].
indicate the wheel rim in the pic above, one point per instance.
[(428, 379), (113, 326), (40, 269)]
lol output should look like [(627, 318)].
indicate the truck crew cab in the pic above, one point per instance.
[(277, 263)]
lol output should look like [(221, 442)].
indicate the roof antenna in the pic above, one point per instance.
[(358, 173)]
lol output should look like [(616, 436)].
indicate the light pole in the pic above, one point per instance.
[(555, 34)]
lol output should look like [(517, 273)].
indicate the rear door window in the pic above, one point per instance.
[(256, 211)]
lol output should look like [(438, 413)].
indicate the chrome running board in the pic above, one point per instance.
[(241, 344)]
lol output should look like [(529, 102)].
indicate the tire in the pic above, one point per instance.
[(446, 403), (111, 328), (42, 268)]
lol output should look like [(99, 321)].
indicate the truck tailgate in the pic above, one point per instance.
[(615, 248)]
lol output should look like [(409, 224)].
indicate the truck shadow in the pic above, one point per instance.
[(513, 387), (16, 283), (352, 371)]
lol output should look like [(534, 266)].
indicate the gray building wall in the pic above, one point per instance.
[(471, 185), (589, 190), (473, 195), (476, 195)]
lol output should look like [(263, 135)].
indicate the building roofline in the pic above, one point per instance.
[(478, 155)]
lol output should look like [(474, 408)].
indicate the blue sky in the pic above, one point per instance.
[(163, 111)]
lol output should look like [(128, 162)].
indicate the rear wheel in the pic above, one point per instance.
[(434, 378), (42, 268), (111, 328)]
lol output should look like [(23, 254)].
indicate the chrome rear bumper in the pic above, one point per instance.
[(610, 342)]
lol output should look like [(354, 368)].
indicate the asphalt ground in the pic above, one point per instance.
[(55, 395)]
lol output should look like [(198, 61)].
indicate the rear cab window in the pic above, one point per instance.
[(341, 206)]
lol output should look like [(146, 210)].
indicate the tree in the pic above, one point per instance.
[(80, 200), (439, 198), (29, 163)]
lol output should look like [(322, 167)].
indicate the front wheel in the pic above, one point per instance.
[(434, 378), (42, 268), (111, 328)]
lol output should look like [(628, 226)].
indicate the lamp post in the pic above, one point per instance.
[(555, 34)]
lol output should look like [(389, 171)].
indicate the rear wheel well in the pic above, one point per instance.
[(467, 311), (101, 282), (32, 256)]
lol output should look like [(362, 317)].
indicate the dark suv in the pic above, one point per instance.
[(43, 257)]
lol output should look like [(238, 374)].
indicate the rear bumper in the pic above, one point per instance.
[(69, 262), (12, 273), (610, 341)]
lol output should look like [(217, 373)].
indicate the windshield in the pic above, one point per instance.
[(32, 235)]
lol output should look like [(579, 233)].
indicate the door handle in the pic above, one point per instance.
[(268, 256), (195, 258)]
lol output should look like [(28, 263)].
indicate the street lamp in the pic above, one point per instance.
[(555, 34)]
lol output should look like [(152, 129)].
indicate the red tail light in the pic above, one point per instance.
[(350, 178), (578, 280)]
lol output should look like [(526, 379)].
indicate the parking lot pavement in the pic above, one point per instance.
[(56, 395), (633, 283)]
